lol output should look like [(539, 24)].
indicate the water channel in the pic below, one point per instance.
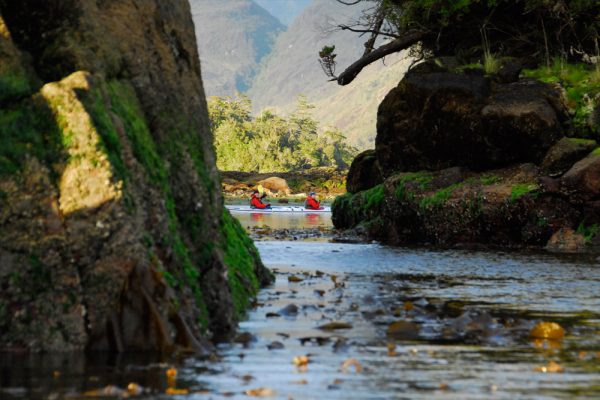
[(366, 321)]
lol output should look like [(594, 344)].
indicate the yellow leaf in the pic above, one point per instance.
[(551, 367), (301, 360), (547, 330), (294, 279), (300, 382), (176, 391), (391, 347), (352, 362), (171, 373), (134, 389), (260, 392)]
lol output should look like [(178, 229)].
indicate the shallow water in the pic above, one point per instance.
[(285, 221), (467, 316)]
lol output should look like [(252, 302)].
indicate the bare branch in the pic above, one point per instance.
[(349, 3), (375, 32), (402, 43)]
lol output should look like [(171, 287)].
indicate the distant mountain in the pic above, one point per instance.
[(233, 37), (292, 69), (284, 10)]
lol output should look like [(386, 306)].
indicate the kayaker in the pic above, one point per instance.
[(256, 200), (311, 202)]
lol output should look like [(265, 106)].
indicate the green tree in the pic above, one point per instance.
[(271, 143), (535, 29)]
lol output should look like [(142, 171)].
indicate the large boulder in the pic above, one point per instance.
[(364, 172), (584, 176), (435, 119), (275, 185), (565, 153)]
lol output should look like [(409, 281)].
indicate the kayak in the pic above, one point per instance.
[(278, 209)]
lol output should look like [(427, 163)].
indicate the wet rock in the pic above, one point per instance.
[(566, 240), (364, 172), (245, 338), (565, 153), (291, 310), (336, 325), (509, 71), (403, 330), (275, 185), (275, 345)]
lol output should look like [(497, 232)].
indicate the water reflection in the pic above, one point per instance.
[(284, 220)]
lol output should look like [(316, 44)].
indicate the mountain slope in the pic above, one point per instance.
[(233, 37), (284, 10), (293, 69)]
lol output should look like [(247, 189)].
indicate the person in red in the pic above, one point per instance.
[(311, 202), (256, 200)]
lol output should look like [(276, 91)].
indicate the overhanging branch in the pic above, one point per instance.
[(402, 43)]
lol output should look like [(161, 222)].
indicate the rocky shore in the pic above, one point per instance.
[(327, 183), (464, 159)]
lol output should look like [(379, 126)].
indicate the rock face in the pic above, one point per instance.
[(468, 161), (112, 230), (565, 153), (364, 172), (435, 119), (275, 185)]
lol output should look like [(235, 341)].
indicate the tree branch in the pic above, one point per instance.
[(402, 43), (348, 28), (349, 3)]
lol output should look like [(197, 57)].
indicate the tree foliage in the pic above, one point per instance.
[(536, 29), (270, 143)]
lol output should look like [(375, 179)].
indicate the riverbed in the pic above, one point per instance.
[(366, 321)]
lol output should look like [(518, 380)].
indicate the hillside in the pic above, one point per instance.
[(284, 10), (233, 37), (293, 69)]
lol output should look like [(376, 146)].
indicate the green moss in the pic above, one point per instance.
[(588, 232), (13, 84), (27, 129), (439, 198), (373, 197), (420, 179), (191, 273), (596, 151), (125, 105), (489, 179), (581, 83), (240, 258), (110, 141), (521, 189)]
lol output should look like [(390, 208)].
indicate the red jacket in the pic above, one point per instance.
[(312, 203), (256, 202)]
